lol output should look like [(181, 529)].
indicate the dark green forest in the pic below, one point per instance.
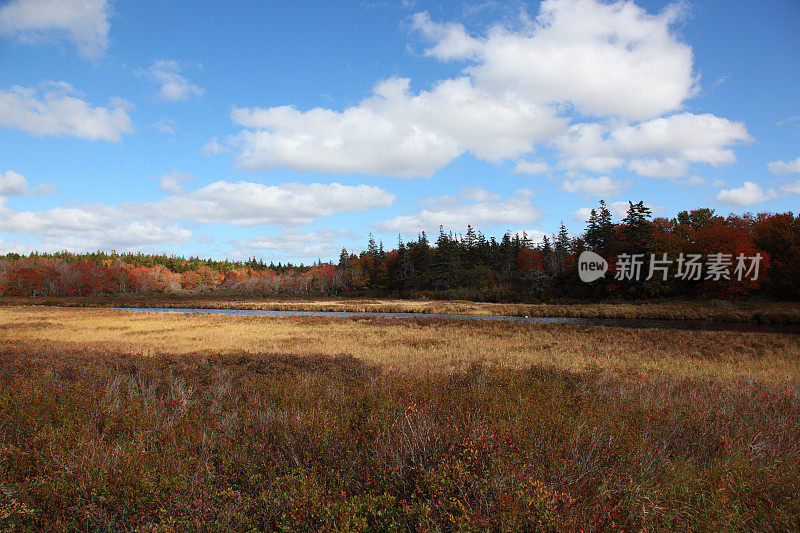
[(466, 265)]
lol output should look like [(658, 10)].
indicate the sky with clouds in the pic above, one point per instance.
[(288, 130)]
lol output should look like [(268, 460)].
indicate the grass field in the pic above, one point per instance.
[(118, 420), (718, 310)]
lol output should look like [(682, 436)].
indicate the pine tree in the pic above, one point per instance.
[(469, 238), (404, 269), (372, 247), (592, 234), (447, 264), (606, 232), (344, 259), (638, 230), (562, 240)]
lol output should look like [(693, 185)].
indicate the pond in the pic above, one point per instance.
[(699, 325)]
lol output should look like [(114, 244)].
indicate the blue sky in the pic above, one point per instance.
[(288, 130)]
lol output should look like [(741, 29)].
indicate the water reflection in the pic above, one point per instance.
[(700, 325)]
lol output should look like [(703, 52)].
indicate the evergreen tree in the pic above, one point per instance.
[(372, 247), (420, 255), (344, 259), (404, 268), (447, 267), (592, 233), (606, 232), (638, 230)]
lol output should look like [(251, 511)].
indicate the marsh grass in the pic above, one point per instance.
[(113, 420), (282, 442), (414, 345), (716, 310)]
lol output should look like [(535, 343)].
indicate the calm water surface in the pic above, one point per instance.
[(700, 325)]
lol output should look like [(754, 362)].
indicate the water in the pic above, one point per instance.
[(698, 325)]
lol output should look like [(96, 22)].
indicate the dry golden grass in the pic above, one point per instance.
[(416, 345), (762, 312)]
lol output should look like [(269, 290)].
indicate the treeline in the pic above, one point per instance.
[(462, 266)]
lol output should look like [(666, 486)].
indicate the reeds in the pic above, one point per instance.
[(414, 345), (113, 420), (315, 443), (716, 310)]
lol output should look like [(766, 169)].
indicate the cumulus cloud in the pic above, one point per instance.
[(584, 146), (659, 168), (623, 68), (175, 87), (531, 168), (213, 147), (603, 59), (782, 167), (253, 204), (89, 228), (12, 183), (394, 132), (602, 186), (662, 147), (292, 242), (171, 181), (84, 23), (793, 188), (470, 208), (133, 224), (748, 194), (56, 108)]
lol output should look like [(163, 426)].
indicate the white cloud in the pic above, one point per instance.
[(478, 194), (582, 214), (662, 147), (748, 194), (43, 189), (295, 243), (89, 228), (12, 183), (165, 125), (782, 167), (793, 188), (577, 58), (532, 168), (8, 247), (254, 204), (659, 168), (213, 147), (171, 181), (584, 146), (684, 136), (394, 132), (57, 109), (604, 59), (602, 186), (516, 211), (692, 181), (175, 87), (82, 22), (131, 225)]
